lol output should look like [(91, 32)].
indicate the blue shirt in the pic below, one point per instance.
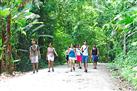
[(72, 53)]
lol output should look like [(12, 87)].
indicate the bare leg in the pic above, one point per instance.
[(80, 64), (37, 65), (95, 65), (52, 65), (49, 65), (77, 64), (73, 63), (85, 66), (68, 63), (33, 67)]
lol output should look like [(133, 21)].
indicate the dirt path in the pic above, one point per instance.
[(62, 80)]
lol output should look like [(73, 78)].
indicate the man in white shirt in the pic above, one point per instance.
[(84, 49)]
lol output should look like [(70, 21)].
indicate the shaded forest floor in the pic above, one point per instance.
[(63, 80)]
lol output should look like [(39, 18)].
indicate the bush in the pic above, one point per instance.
[(127, 66)]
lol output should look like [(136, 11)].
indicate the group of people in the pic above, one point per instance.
[(74, 54), (79, 55)]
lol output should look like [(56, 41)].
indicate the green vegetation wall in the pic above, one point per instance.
[(111, 25)]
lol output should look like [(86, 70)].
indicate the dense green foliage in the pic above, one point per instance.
[(127, 66), (111, 24)]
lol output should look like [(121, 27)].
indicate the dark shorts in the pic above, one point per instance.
[(67, 57), (94, 58)]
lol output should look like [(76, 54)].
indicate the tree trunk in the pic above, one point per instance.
[(3, 36), (9, 64)]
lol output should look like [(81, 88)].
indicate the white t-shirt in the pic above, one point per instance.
[(84, 50), (78, 51)]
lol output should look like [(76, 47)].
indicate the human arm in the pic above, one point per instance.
[(97, 52), (68, 50), (47, 54), (75, 51), (55, 52), (81, 49), (30, 53), (39, 55), (88, 50)]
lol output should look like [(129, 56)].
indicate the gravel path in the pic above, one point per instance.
[(62, 80)]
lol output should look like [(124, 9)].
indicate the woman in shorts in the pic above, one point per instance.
[(94, 56), (50, 56), (79, 56), (72, 57)]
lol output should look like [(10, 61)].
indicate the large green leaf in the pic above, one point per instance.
[(126, 20), (4, 12)]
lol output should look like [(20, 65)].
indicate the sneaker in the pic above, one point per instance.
[(86, 71), (37, 70), (74, 68), (52, 70), (49, 71), (71, 70), (33, 72), (80, 67), (95, 68)]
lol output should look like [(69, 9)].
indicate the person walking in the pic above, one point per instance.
[(94, 56), (67, 56), (85, 51), (34, 53), (72, 57), (50, 57), (79, 56)]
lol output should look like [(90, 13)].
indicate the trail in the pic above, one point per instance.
[(62, 80)]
